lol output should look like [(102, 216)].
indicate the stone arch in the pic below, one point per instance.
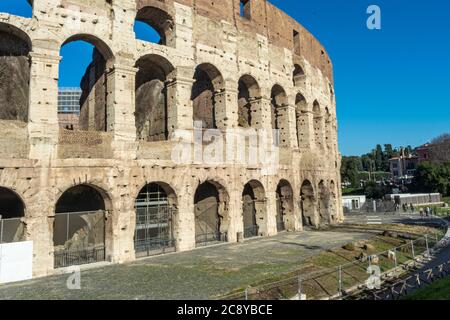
[(254, 209), (285, 206), (153, 97), (156, 205), (94, 103), (249, 92), (12, 212), (328, 128), (15, 46), (212, 218), (324, 204), (82, 228), (157, 16), (279, 112), (298, 76), (308, 205), (318, 125), (207, 96), (302, 121)]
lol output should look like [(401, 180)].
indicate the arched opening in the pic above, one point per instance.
[(285, 207), (324, 204), (308, 205), (83, 84), (333, 203), (302, 121), (21, 8), (279, 113), (153, 101), (15, 46), (154, 25), (254, 209), (298, 76), (248, 93), (155, 205), (211, 214), (207, 96), (12, 210), (328, 129), (79, 227), (318, 127)]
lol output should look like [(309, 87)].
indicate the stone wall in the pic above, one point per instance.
[(126, 119)]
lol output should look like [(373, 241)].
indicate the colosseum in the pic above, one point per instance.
[(110, 189)]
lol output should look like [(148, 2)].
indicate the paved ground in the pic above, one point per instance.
[(199, 274)]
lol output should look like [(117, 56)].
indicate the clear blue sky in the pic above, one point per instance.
[(392, 86)]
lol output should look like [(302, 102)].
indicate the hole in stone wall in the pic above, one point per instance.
[(297, 43), (22, 8), (244, 9)]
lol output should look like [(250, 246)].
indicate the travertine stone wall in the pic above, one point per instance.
[(201, 39)]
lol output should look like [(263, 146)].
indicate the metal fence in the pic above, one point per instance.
[(339, 281), (11, 230), (79, 238)]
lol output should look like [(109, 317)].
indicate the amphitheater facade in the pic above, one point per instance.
[(110, 190)]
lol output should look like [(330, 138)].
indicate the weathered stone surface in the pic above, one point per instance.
[(261, 71)]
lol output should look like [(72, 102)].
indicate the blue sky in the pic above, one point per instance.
[(392, 85)]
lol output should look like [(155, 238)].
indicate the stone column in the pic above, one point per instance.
[(185, 233), (271, 214), (120, 110), (288, 134), (179, 111), (236, 217), (226, 108), (43, 128), (305, 129)]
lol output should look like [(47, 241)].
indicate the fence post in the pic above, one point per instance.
[(395, 258), (413, 253), (428, 249), (340, 281), (246, 294), (299, 281)]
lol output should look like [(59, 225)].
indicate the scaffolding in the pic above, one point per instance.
[(154, 222)]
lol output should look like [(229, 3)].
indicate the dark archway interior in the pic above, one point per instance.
[(11, 206), (14, 76), (248, 90), (203, 99), (80, 199), (307, 204), (207, 218), (278, 99), (249, 212), (151, 114)]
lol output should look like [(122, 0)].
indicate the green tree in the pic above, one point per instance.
[(350, 168), (374, 191), (431, 177)]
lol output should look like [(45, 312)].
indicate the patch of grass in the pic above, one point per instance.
[(447, 200), (439, 290)]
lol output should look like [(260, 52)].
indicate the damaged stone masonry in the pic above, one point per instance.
[(109, 190)]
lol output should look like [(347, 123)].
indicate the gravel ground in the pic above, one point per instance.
[(199, 274)]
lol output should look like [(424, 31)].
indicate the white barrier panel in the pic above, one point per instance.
[(16, 261)]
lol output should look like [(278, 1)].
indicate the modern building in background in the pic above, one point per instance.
[(404, 167), (69, 107)]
